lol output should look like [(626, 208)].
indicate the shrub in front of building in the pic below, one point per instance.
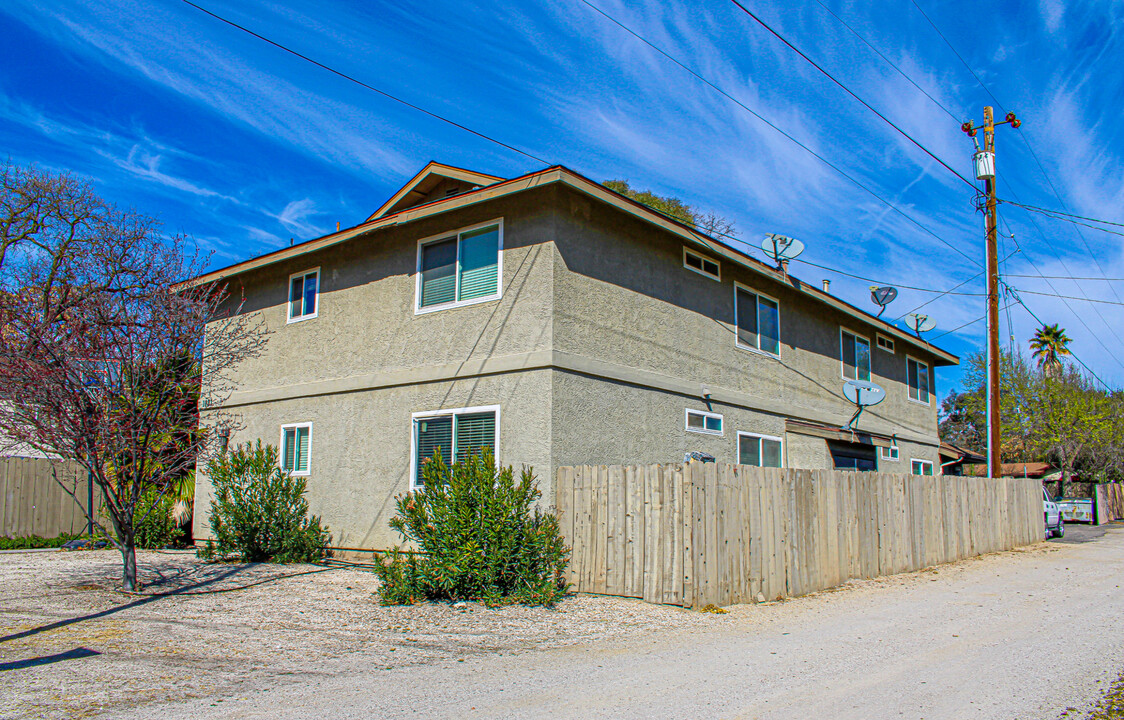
[(259, 512), (477, 537)]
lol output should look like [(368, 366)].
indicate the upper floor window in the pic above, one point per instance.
[(296, 447), (759, 321), (884, 343), (855, 351), (759, 450), (918, 373), (704, 422), (461, 268), (702, 265), (453, 435), (304, 292)]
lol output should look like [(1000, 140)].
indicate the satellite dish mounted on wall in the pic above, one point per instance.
[(781, 249), (882, 296), (919, 323), (862, 394)]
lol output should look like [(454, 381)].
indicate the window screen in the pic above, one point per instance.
[(297, 441), (435, 438), (460, 268), (439, 272), (479, 263)]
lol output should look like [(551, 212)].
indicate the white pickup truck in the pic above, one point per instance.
[(1055, 525)]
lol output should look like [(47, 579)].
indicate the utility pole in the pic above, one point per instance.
[(985, 170)]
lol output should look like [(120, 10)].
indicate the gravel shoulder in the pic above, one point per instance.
[(71, 646)]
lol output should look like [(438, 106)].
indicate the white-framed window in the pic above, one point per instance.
[(918, 377), (304, 295), (702, 265), (758, 319), (454, 434), (760, 450), (854, 350), (884, 343), (701, 421), (296, 448), (888, 453), (921, 467), (460, 268)]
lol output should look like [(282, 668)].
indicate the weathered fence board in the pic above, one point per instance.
[(705, 533), (33, 502)]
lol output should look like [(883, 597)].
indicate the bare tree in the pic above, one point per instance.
[(101, 352)]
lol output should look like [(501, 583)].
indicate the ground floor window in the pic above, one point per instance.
[(759, 450), (921, 467), (453, 435), (296, 447), (888, 453), (852, 456)]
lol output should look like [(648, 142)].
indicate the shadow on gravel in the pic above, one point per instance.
[(75, 654), (163, 580)]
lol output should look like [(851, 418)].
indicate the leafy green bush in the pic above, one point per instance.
[(259, 512), (154, 523), (477, 539)]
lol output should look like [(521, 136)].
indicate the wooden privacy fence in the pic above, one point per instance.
[(32, 502), (706, 533), (1109, 501)]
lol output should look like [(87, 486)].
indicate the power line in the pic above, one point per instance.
[(1071, 297), (887, 60), (1059, 212), (1075, 223), (775, 127), (958, 328), (896, 285), (958, 55), (847, 90), (1064, 277), (365, 85)]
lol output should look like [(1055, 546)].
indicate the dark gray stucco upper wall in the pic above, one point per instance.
[(366, 321), (623, 296)]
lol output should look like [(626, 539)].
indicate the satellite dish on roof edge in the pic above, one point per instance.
[(919, 323), (863, 394), (882, 296), (781, 248)]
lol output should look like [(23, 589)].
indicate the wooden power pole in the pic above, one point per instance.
[(985, 170)]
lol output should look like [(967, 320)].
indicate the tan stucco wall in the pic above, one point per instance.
[(622, 295), (360, 457)]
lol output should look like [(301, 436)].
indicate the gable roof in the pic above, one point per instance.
[(422, 183), (385, 217)]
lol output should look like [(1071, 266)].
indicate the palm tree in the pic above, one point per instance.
[(1049, 344)]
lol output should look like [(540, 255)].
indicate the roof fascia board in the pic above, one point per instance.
[(433, 168)]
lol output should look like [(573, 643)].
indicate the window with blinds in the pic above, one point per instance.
[(296, 447), (759, 321), (460, 269), (453, 437), (918, 373), (304, 290), (759, 450), (855, 353)]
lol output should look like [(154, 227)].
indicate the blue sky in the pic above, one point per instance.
[(242, 146)]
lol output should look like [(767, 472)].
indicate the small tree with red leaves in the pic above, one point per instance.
[(102, 353)]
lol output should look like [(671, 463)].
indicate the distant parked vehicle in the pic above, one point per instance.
[(1076, 509), (1055, 525)]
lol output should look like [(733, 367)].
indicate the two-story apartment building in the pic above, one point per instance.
[(558, 323)]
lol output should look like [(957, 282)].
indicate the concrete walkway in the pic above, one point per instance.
[(986, 638)]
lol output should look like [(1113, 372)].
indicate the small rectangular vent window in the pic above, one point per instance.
[(885, 343), (704, 422), (888, 453), (701, 265)]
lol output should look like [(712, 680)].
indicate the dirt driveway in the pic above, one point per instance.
[(984, 638)]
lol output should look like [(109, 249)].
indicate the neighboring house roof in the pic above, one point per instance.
[(1030, 469), (955, 453), (387, 216)]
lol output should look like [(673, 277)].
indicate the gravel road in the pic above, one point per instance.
[(968, 640)]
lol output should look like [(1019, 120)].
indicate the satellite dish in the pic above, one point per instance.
[(882, 296), (781, 248), (919, 323), (863, 393)]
